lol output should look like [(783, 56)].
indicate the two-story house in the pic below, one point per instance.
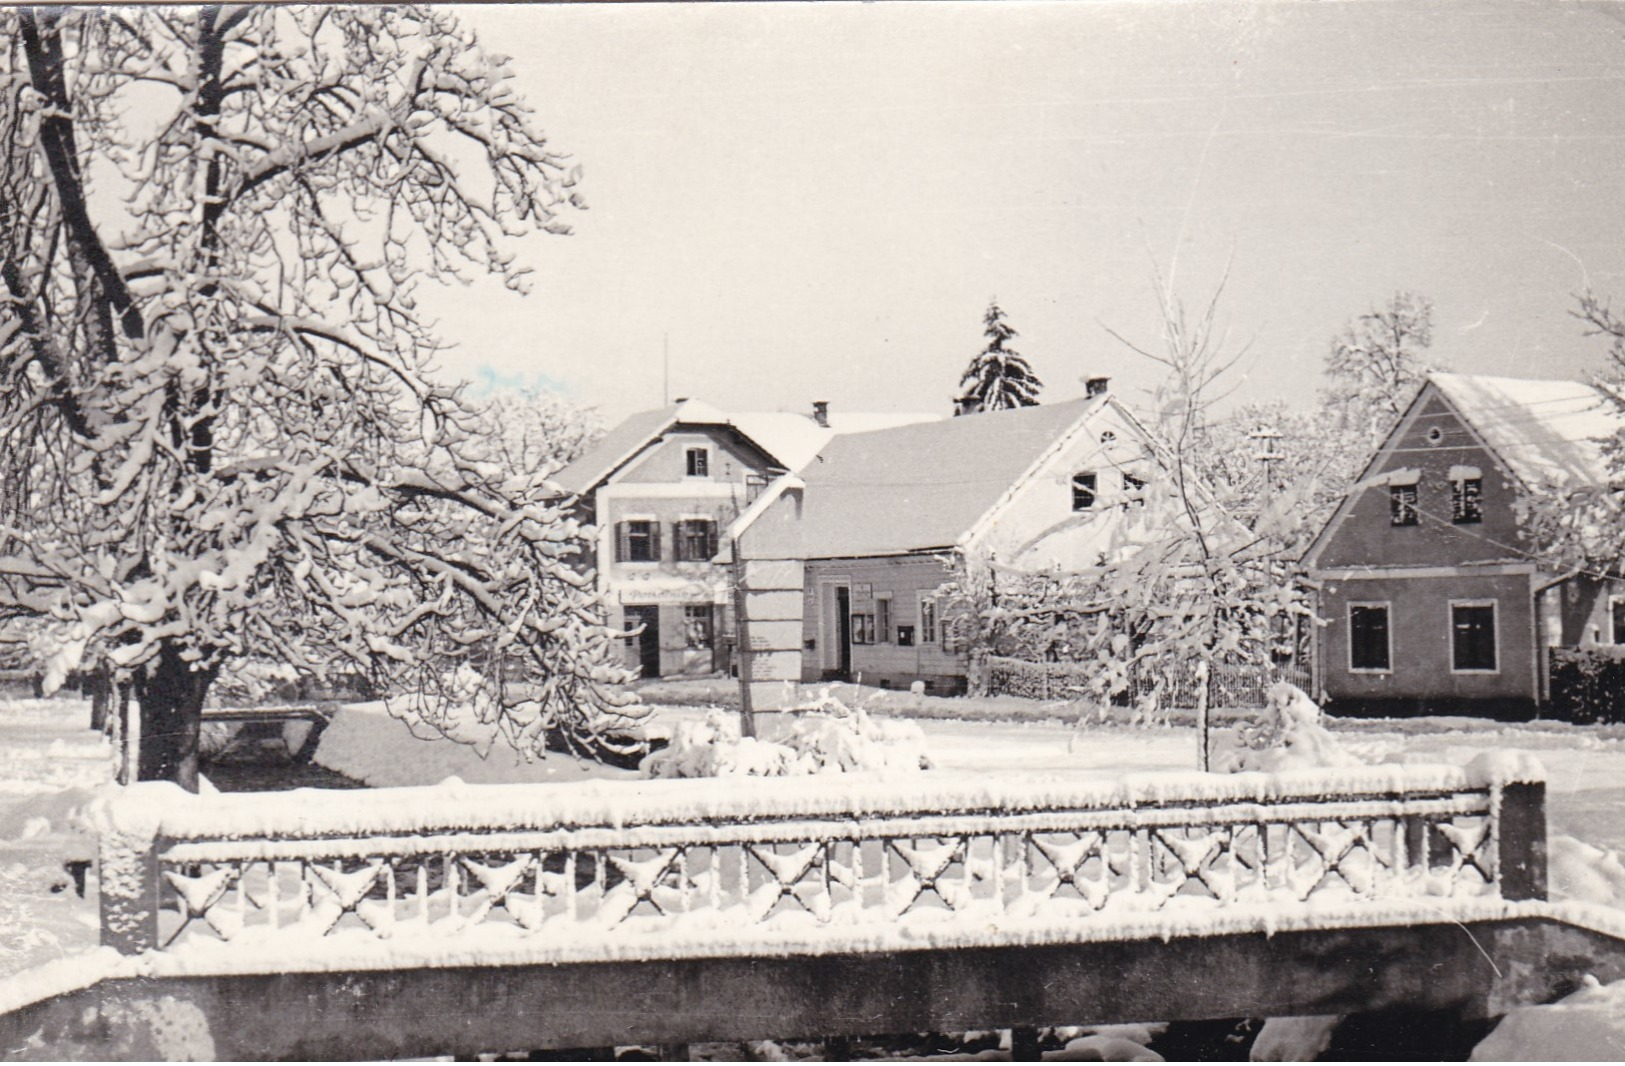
[(845, 562), (661, 488), (1433, 599)]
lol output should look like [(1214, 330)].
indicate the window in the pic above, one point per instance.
[(928, 619), (1134, 489), (697, 628), (1616, 613), (1083, 493), (639, 541), (1369, 647), (863, 629), (696, 540), (699, 462), (1467, 500), (883, 619), (1402, 505), (1472, 637)]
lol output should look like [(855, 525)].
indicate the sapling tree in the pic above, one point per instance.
[(1190, 581), (999, 378), (219, 435)]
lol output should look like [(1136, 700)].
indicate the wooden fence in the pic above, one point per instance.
[(1234, 684)]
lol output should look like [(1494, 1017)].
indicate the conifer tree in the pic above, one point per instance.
[(1000, 378)]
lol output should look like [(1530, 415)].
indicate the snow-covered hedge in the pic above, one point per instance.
[(826, 737)]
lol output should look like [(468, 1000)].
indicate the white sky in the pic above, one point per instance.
[(816, 201)]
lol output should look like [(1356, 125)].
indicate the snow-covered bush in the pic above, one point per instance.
[(827, 737), (1285, 735)]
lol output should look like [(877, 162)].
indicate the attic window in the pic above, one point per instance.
[(1435, 435), (1107, 437), (699, 462), (1402, 505), (1084, 489), (1466, 500)]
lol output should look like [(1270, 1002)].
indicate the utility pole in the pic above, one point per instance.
[(1267, 437)]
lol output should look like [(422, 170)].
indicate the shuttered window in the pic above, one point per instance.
[(696, 540), (638, 541)]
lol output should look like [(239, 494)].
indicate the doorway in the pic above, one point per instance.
[(643, 650)]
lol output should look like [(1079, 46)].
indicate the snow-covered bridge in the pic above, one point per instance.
[(458, 919)]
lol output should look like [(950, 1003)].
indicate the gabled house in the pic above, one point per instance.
[(661, 488), (843, 565), (1433, 599)]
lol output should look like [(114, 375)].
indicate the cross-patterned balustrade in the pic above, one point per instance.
[(615, 862)]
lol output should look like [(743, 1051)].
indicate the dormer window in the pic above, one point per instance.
[(1084, 490), (699, 462)]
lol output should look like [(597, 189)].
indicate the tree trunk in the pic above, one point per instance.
[(171, 707), (1204, 695), (101, 698)]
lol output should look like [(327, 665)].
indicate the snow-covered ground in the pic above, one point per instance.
[(50, 762)]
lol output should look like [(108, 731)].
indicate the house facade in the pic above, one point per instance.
[(854, 553), (661, 490), (1433, 599)]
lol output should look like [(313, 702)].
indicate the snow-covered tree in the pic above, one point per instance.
[(1274, 462), (1000, 377), (219, 436), (1378, 363), (1191, 582), (538, 432), (1581, 527)]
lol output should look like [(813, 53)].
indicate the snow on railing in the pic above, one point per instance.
[(619, 861)]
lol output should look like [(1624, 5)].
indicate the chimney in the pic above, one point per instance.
[(1095, 386), (821, 412)]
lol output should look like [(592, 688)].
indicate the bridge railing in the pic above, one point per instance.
[(609, 863)]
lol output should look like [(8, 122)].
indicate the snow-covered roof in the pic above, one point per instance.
[(1547, 432), (790, 439), (917, 487)]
